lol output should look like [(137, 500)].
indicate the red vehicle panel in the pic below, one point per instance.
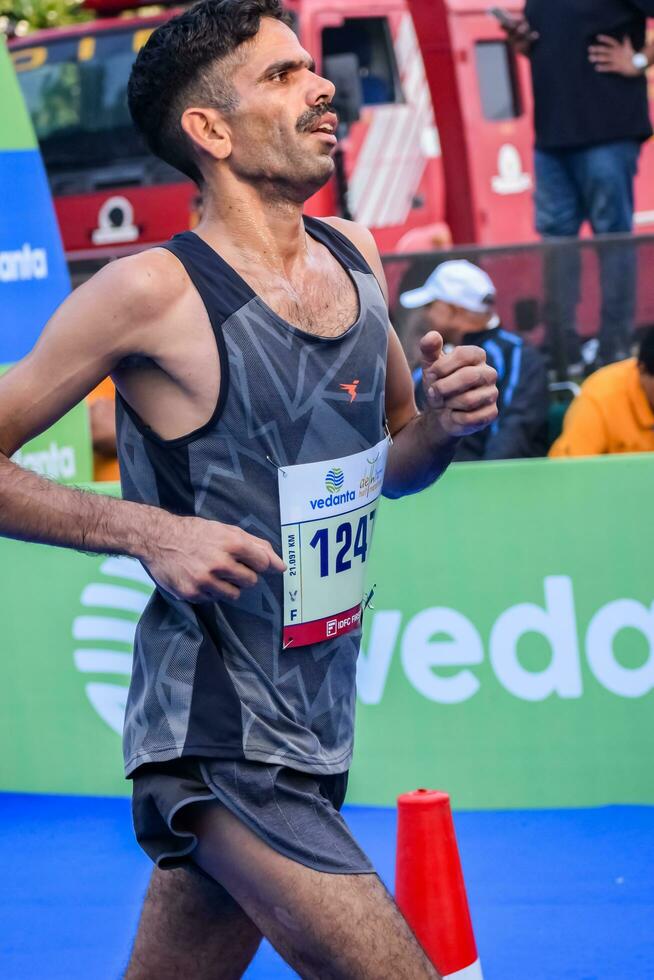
[(442, 150), (486, 129)]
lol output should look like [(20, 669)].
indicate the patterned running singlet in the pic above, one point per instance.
[(216, 679)]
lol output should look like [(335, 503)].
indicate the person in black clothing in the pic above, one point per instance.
[(458, 300), (588, 62)]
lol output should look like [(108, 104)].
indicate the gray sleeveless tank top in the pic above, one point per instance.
[(212, 679)]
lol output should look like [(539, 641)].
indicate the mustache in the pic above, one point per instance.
[(308, 119)]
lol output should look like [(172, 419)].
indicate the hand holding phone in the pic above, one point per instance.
[(504, 18), (520, 34)]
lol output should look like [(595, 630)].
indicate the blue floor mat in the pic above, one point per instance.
[(555, 895)]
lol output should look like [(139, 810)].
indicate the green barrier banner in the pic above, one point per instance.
[(16, 132), (509, 658), (64, 452)]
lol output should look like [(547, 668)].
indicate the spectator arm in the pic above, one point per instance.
[(522, 427)]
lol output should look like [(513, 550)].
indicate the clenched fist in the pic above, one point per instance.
[(460, 387), (202, 561)]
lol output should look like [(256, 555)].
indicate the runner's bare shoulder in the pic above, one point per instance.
[(133, 294), (122, 311)]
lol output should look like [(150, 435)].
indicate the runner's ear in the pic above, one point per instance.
[(208, 131)]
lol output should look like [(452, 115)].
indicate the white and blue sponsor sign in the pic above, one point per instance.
[(33, 274)]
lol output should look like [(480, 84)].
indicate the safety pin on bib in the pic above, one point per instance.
[(367, 602), (277, 466)]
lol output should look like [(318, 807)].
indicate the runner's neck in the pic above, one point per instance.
[(245, 225)]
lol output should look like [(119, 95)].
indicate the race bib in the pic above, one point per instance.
[(328, 512)]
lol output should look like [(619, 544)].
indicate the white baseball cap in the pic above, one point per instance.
[(458, 282)]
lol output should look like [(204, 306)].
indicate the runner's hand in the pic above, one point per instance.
[(202, 561), (610, 55), (460, 387)]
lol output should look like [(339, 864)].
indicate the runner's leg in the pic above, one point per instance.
[(185, 930), (326, 926)]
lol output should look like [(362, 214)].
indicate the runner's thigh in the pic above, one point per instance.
[(187, 930), (327, 926)]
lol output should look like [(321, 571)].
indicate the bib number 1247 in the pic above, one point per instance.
[(343, 545), (328, 512)]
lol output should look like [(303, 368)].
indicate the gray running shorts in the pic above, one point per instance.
[(295, 813)]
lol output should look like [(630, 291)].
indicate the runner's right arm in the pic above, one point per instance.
[(88, 336)]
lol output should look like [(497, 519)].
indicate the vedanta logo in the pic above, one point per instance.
[(104, 634), (333, 500), (440, 648), (57, 462), (334, 480), (24, 263)]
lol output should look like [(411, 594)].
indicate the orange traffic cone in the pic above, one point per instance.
[(429, 886)]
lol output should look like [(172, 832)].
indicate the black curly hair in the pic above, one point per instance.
[(177, 68)]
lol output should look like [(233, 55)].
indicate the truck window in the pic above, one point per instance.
[(369, 38), (498, 87), (75, 91)]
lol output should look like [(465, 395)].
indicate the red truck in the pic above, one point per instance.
[(441, 152), (436, 156)]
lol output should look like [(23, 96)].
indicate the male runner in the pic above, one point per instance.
[(256, 372)]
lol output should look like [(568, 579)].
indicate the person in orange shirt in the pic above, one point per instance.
[(102, 409), (614, 413)]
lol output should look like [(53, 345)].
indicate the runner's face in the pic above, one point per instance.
[(282, 102)]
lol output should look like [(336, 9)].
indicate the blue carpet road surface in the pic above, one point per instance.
[(555, 895)]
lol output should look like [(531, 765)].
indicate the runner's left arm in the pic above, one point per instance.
[(461, 395)]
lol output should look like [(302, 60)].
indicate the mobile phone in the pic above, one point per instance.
[(503, 17)]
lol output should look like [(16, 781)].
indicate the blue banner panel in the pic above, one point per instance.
[(33, 274)]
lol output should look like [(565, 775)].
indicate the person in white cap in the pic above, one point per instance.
[(459, 301)]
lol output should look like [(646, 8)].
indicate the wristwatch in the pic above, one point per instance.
[(640, 61)]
